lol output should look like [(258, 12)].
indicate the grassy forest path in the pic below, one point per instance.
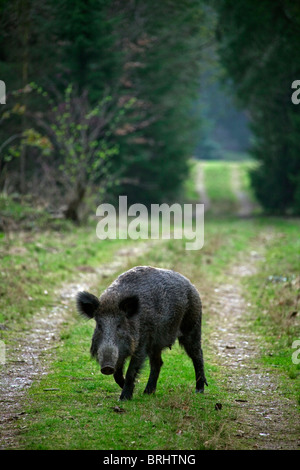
[(29, 356), (265, 416), (52, 395), (245, 205)]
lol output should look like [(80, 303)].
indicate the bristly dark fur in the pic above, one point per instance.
[(87, 304), (141, 313)]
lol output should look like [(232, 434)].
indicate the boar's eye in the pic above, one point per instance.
[(130, 305)]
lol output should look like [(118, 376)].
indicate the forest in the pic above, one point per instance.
[(170, 103), (109, 101)]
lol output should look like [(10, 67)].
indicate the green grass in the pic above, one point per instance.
[(34, 263), (217, 181), (85, 413), (75, 407), (245, 168), (274, 294), (18, 213), (80, 414), (190, 193), (218, 176)]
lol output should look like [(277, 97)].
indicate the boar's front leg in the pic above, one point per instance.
[(155, 365), (134, 367), (118, 376)]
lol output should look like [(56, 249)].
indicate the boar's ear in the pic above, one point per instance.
[(129, 305), (87, 304)]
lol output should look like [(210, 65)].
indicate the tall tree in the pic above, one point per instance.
[(142, 52), (259, 47), (87, 55), (162, 43)]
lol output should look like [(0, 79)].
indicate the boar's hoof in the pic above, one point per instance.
[(149, 390), (200, 387), (125, 396)]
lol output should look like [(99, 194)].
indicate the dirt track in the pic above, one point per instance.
[(265, 418), (29, 356)]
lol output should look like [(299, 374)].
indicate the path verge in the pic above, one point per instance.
[(29, 357), (265, 416)]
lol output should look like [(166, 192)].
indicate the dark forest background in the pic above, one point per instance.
[(109, 97)]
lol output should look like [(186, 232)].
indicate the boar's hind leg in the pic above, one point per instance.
[(134, 367), (192, 345), (155, 365)]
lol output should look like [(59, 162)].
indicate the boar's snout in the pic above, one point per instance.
[(108, 356), (107, 370)]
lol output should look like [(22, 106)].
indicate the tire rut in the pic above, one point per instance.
[(266, 419), (29, 356)]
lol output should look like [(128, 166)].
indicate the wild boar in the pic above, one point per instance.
[(142, 312)]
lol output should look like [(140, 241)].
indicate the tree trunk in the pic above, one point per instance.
[(24, 9), (71, 212)]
